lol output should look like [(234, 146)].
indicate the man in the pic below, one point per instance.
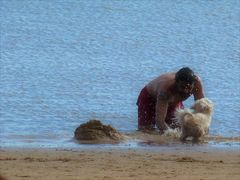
[(160, 98)]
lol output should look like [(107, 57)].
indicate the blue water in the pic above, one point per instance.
[(65, 62)]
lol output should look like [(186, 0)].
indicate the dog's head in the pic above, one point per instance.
[(204, 106)]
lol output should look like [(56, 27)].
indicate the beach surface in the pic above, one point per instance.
[(119, 164)]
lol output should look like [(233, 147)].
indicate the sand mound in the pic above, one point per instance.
[(95, 132)]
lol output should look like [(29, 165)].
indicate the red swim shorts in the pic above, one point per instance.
[(146, 111)]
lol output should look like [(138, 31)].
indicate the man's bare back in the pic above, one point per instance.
[(165, 83)]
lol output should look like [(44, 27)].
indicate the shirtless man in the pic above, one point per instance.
[(160, 98)]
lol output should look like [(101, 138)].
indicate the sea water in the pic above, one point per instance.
[(65, 62)]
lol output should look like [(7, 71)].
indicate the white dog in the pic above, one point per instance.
[(195, 121)]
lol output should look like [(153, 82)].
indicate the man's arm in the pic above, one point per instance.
[(198, 89), (161, 110)]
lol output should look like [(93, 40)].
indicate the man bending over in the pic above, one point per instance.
[(159, 99)]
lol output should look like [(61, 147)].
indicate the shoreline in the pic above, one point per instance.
[(135, 140), (107, 163), (140, 141)]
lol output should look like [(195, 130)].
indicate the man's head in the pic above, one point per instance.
[(185, 79)]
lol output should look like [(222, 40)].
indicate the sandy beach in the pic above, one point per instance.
[(118, 164)]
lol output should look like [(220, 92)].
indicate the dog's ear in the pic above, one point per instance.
[(204, 107)]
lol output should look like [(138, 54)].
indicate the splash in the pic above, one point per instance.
[(170, 136), (173, 133)]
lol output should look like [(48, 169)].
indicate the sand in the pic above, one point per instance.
[(120, 164)]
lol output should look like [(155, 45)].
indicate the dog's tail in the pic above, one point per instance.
[(181, 113)]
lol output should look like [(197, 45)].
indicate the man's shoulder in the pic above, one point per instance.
[(198, 79), (168, 76)]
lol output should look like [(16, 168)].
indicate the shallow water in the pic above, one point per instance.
[(63, 63)]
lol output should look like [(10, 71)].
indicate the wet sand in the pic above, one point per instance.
[(119, 164)]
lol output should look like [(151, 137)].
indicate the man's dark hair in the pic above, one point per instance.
[(185, 75)]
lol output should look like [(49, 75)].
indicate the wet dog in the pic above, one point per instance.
[(195, 121)]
